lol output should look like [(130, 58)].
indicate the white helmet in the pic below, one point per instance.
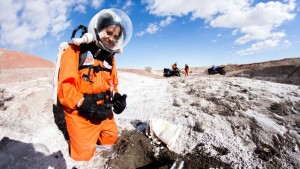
[(106, 18)]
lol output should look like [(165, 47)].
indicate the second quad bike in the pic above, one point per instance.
[(216, 70)]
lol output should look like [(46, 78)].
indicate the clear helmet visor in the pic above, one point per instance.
[(112, 29)]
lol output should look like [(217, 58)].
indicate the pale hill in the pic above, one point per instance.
[(281, 71), (11, 59)]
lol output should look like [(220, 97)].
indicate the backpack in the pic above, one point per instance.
[(62, 47)]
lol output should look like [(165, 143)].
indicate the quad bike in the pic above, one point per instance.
[(169, 73), (218, 69)]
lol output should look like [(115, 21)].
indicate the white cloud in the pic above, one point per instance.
[(254, 22), (166, 22), (80, 8), (81, 5), (126, 7), (286, 43), (257, 23), (259, 33), (141, 33), (258, 47), (199, 9), (234, 32), (97, 3), (153, 27), (24, 23)]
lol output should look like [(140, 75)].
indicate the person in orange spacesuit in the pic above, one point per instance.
[(186, 70), (88, 91), (174, 67)]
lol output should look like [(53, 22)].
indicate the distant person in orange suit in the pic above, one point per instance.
[(187, 70), (89, 92), (174, 66)]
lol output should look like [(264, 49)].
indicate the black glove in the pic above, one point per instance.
[(89, 107), (119, 103)]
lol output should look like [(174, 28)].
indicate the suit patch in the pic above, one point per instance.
[(89, 60), (107, 65)]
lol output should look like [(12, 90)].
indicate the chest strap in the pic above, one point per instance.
[(97, 68)]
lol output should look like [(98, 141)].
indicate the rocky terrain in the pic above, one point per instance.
[(249, 118)]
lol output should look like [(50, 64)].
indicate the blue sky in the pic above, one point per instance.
[(193, 32)]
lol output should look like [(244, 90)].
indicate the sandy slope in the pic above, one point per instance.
[(11, 59), (243, 122)]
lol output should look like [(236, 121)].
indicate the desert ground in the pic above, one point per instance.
[(249, 118)]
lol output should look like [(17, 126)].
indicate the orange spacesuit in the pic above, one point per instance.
[(87, 82), (83, 133)]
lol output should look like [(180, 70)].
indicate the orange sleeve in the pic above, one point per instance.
[(114, 75), (68, 93)]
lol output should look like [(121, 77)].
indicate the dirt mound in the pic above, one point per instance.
[(135, 150), (11, 59)]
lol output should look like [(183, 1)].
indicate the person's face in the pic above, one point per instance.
[(111, 35)]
